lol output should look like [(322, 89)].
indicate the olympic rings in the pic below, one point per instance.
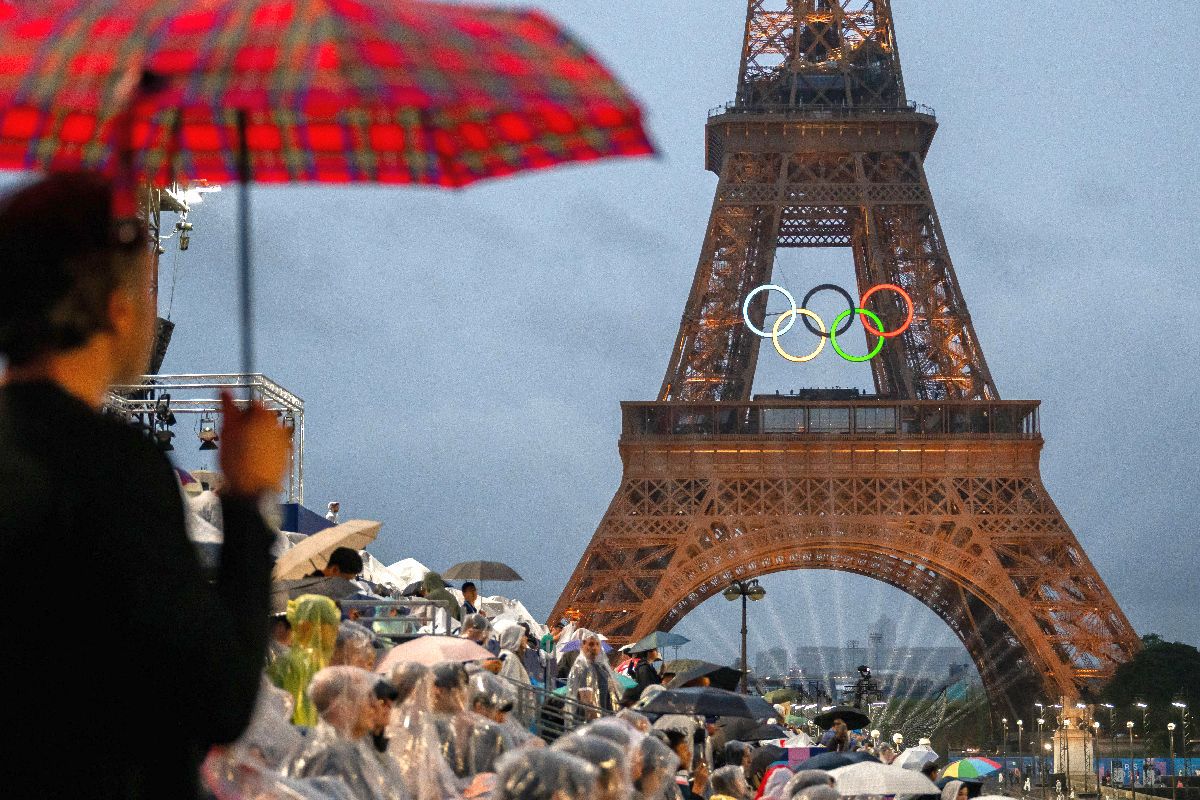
[(789, 314), (785, 321), (907, 320), (832, 288), (766, 288), (861, 312)]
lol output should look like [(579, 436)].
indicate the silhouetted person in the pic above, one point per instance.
[(174, 660)]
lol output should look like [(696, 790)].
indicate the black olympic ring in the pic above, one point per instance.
[(849, 301)]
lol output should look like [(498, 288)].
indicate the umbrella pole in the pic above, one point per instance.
[(244, 264)]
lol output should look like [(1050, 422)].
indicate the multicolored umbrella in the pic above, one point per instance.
[(331, 91), (974, 767)]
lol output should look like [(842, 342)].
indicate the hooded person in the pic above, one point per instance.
[(609, 758), (659, 763), (413, 741), (314, 619), (818, 792), (778, 776), (512, 668), (355, 646), (339, 746), (435, 589), (760, 764), (729, 783), (592, 680), (805, 779), (493, 699), (955, 790), (469, 743), (478, 629), (545, 774)]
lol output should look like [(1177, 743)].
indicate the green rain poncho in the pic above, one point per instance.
[(435, 589), (314, 619)]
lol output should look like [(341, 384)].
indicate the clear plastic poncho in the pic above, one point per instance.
[(729, 782), (339, 746), (512, 668), (470, 743), (545, 774), (355, 647), (494, 698), (413, 741), (314, 619), (613, 781), (594, 679), (657, 778)]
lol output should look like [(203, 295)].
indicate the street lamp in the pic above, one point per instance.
[(898, 740), (1145, 727), (1171, 736), (1183, 722), (875, 734), (1004, 745), (1096, 754), (1112, 735), (745, 589), (1132, 787), (1045, 746), (1020, 730)]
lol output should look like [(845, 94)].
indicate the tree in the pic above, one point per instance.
[(1161, 674)]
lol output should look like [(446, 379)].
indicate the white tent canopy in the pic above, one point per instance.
[(408, 570)]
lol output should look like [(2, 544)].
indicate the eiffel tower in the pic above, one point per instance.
[(931, 485)]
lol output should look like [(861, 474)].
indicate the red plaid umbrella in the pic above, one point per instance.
[(390, 91)]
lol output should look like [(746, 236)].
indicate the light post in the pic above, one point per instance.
[(1004, 748), (1020, 760), (1042, 747), (1183, 723), (1112, 736), (1066, 732), (875, 734), (1145, 727), (1132, 787), (745, 589), (1096, 754), (1171, 736), (1045, 749), (898, 740)]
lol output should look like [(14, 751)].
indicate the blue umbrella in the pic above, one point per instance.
[(658, 640)]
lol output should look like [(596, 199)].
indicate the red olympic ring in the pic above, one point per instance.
[(908, 320)]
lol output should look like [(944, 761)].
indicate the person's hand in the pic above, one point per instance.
[(254, 449), (700, 778)]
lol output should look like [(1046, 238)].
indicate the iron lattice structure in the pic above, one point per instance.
[(934, 487)]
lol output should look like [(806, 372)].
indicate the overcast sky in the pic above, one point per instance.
[(462, 355)]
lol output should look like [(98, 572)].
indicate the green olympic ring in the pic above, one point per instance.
[(833, 334)]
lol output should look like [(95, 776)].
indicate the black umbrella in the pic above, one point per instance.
[(481, 571), (828, 761), (762, 733), (705, 701), (851, 716), (686, 670), (412, 589)]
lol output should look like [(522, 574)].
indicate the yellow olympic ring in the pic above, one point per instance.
[(791, 312)]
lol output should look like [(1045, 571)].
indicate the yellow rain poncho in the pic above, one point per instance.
[(314, 619)]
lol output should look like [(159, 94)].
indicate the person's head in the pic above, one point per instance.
[(281, 629), (930, 770), (410, 680), (886, 754), (334, 507), (818, 792), (383, 699), (730, 781), (77, 281), (806, 779), (344, 562), (608, 757), (355, 646), (954, 790), (737, 754), (490, 697), (680, 743), (344, 699), (639, 722), (555, 626), (449, 690), (761, 761), (314, 619), (476, 627), (649, 655), (659, 763), (590, 648), (470, 593), (512, 638), (544, 774)]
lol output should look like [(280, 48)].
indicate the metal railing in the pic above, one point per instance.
[(398, 627), (818, 111), (873, 419), (552, 715)]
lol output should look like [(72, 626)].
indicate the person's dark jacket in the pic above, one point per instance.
[(645, 674), (109, 614)]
